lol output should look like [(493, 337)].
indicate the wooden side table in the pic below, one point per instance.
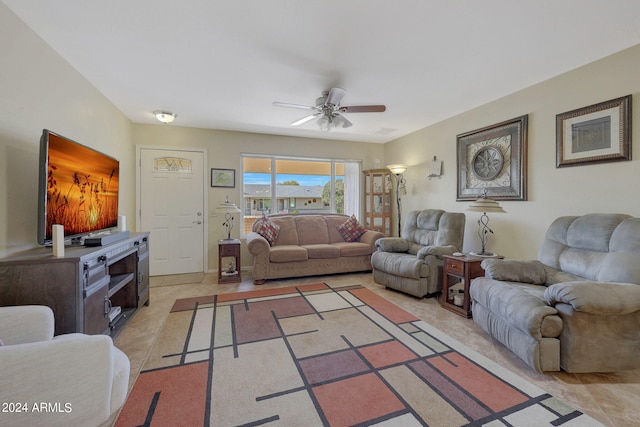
[(229, 251), (465, 267)]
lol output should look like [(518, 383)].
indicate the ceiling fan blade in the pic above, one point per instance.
[(363, 109), (335, 96), (285, 104), (305, 119)]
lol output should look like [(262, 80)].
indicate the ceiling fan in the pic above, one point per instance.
[(328, 110)]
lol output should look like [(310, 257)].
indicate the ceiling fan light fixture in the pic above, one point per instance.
[(328, 110), (340, 121), (165, 116), (324, 123)]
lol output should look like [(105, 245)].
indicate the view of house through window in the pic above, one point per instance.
[(301, 186)]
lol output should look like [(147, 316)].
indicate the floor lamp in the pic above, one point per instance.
[(401, 187), (484, 205)]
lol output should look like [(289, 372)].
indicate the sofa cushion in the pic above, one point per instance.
[(622, 264), (120, 384), (267, 229), (626, 237), (288, 234), (322, 251), (593, 232), (598, 247), (532, 272), (520, 305), (607, 299), (312, 230), (392, 244), (398, 264), (421, 227), (557, 276), (414, 248), (287, 253), (436, 251), (349, 249), (333, 222), (351, 229)]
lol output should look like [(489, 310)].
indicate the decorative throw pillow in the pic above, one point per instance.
[(268, 229), (351, 229)]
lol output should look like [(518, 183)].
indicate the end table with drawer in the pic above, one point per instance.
[(229, 261), (465, 268)]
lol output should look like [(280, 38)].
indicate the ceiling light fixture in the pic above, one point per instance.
[(324, 123), (165, 116)]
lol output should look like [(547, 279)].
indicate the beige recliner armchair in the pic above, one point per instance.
[(71, 379), (412, 263)]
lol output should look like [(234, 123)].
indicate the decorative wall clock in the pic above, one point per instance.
[(493, 160)]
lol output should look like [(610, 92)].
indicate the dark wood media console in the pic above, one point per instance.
[(93, 290)]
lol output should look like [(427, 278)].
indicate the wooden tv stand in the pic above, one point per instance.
[(83, 288)]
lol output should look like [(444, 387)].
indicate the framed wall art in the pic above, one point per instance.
[(594, 134), (493, 160), (223, 178)]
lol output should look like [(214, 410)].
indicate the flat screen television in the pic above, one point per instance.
[(78, 188)]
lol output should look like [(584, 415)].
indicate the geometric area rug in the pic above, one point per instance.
[(317, 355)]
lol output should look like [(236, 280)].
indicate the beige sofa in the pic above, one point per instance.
[(81, 379), (308, 245), (576, 308)]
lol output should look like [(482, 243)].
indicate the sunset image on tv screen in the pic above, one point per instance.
[(82, 188)]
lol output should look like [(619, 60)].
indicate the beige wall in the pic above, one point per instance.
[(224, 149), (553, 192), (40, 90)]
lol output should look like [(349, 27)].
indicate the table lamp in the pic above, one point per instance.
[(228, 209), (484, 204)]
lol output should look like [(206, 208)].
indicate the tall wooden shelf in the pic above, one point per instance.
[(378, 197)]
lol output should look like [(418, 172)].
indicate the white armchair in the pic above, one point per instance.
[(71, 379)]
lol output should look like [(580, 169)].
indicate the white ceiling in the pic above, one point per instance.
[(221, 64)]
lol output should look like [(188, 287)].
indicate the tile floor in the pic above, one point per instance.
[(610, 398)]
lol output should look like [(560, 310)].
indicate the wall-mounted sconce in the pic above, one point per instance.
[(434, 168)]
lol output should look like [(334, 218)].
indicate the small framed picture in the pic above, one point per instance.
[(223, 178), (594, 134)]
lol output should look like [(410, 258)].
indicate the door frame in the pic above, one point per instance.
[(205, 188)]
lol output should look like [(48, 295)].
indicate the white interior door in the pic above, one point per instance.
[(172, 209)]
